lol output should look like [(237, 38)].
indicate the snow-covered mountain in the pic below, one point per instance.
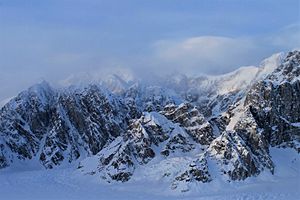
[(183, 131)]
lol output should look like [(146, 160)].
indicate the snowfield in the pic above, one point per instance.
[(69, 183)]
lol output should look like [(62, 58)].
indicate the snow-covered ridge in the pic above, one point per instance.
[(124, 130), (122, 80), (242, 77), (117, 81)]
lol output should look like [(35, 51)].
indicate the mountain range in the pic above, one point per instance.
[(183, 130)]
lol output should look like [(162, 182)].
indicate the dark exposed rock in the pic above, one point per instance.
[(275, 103), (3, 159), (60, 126), (118, 163), (197, 171), (194, 123), (137, 146), (178, 142), (137, 125), (235, 157)]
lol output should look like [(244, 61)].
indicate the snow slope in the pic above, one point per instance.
[(65, 184), (236, 80)]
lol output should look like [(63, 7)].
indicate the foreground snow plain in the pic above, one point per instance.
[(68, 183)]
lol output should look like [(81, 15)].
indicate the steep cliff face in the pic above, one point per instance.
[(59, 126), (274, 103), (186, 131), (24, 121), (236, 159), (151, 136), (267, 116), (192, 120)]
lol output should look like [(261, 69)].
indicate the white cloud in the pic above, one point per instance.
[(206, 54), (218, 54)]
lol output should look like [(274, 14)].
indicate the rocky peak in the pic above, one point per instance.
[(289, 70), (189, 117), (182, 133)]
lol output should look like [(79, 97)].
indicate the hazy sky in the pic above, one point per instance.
[(53, 39)]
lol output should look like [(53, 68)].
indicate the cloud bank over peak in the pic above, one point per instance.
[(53, 40), (205, 54), (220, 54)]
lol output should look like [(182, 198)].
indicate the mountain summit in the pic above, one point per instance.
[(183, 131)]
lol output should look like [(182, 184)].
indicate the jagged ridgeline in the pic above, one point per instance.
[(182, 131)]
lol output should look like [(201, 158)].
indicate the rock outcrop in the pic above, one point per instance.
[(182, 131)]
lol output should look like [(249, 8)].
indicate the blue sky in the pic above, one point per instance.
[(52, 39)]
